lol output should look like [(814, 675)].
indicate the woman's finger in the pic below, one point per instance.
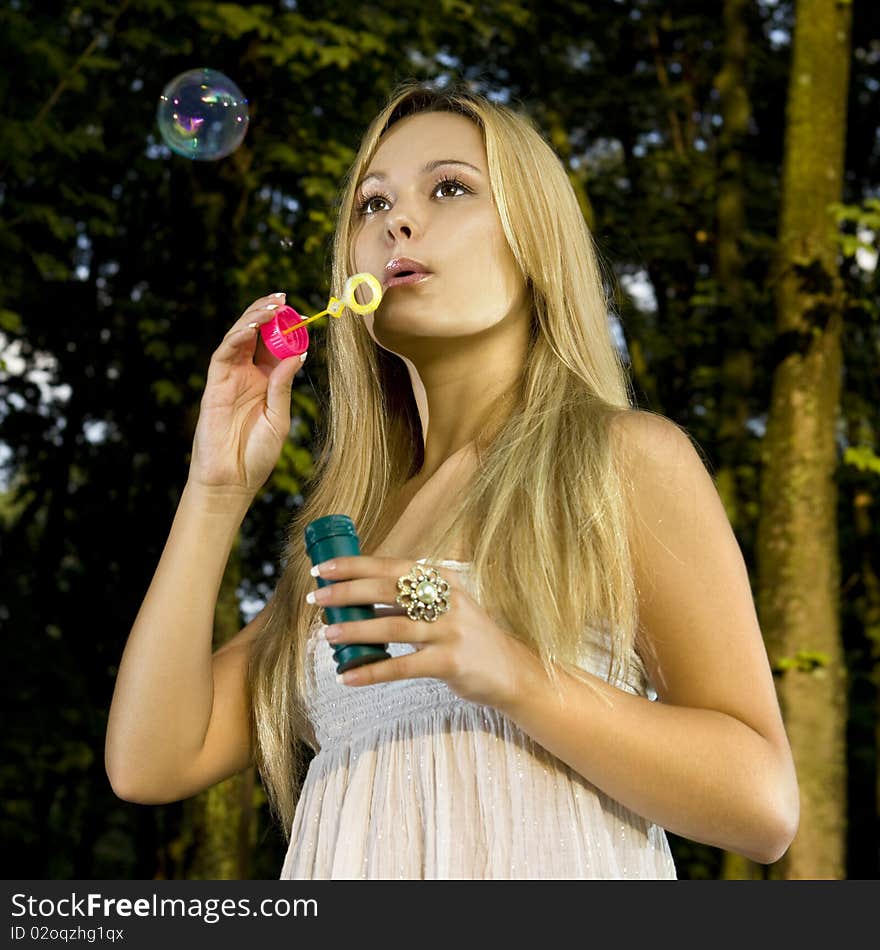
[(361, 590), (398, 629), (366, 565), (279, 387), (408, 666), (274, 300), (253, 319)]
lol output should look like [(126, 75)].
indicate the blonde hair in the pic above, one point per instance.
[(551, 561)]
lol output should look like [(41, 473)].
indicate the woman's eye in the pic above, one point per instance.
[(450, 184), (366, 208)]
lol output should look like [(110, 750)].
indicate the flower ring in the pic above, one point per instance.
[(424, 594)]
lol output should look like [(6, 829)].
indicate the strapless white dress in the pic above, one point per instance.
[(410, 781)]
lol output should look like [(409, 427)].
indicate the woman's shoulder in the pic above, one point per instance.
[(641, 422), (642, 436)]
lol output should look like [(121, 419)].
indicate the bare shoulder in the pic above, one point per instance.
[(671, 499), (641, 436), (696, 609), (662, 468)]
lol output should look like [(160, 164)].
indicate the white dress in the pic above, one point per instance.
[(411, 781)]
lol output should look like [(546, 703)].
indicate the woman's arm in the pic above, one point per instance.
[(711, 760), (164, 695)]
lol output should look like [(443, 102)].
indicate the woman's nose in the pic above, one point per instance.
[(400, 224), (402, 219), (398, 228)]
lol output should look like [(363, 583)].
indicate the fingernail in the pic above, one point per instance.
[(279, 294), (272, 306), (340, 678), (302, 356), (253, 326)]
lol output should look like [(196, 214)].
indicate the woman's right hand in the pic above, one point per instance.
[(244, 417)]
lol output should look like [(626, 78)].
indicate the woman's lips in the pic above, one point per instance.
[(409, 279)]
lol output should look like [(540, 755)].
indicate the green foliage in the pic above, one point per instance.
[(863, 458), (863, 218), (804, 661), (293, 467), (10, 322), (166, 392)]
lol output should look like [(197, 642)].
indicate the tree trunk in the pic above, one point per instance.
[(799, 570)]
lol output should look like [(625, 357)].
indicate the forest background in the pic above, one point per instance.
[(727, 159)]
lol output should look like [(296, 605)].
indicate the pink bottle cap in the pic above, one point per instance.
[(281, 344)]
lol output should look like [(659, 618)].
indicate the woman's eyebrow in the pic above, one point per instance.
[(428, 168)]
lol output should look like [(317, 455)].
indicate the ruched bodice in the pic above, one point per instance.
[(411, 781)]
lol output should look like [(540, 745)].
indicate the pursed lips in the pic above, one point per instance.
[(403, 267), (406, 276)]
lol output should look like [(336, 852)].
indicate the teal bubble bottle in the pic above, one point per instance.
[(327, 538)]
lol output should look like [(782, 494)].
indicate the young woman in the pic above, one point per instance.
[(594, 673)]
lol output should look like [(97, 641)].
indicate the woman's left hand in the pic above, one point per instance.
[(463, 647)]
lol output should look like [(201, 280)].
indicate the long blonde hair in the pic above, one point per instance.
[(551, 560)]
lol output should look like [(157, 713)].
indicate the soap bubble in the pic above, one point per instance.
[(202, 115)]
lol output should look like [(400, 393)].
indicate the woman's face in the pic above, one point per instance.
[(452, 228)]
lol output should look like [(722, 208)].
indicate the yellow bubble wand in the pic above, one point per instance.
[(335, 306), (275, 331)]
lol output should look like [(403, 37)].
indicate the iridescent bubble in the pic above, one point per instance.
[(202, 115)]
